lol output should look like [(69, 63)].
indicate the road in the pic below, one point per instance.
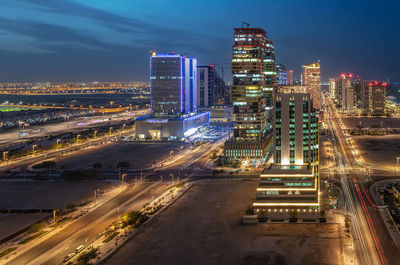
[(373, 242), (85, 229), (13, 136)]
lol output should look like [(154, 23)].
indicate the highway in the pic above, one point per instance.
[(84, 230), (373, 242), (13, 136)]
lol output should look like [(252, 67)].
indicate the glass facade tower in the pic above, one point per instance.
[(173, 85), (254, 73)]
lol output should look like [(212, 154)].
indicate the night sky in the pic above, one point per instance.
[(110, 40)]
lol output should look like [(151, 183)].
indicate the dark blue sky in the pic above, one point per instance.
[(104, 40)]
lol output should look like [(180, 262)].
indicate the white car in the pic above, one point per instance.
[(79, 249), (69, 256)]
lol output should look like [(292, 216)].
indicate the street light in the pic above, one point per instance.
[(33, 148), (77, 137), (58, 142), (95, 133), (5, 156)]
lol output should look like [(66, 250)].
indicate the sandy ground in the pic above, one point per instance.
[(368, 122), (138, 155), (37, 194), (380, 150), (204, 227)]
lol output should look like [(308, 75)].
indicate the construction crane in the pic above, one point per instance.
[(245, 24)]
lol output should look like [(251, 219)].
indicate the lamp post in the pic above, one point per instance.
[(58, 142), (5, 156), (33, 148), (94, 134)]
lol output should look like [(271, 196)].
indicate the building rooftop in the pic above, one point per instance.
[(278, 170)]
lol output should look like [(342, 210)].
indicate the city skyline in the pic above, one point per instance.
[(101, 41)]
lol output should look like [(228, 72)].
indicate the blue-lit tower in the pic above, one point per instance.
[(173, 85)]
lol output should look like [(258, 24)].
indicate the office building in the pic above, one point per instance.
[(254, 73), (290, 80), (357, 85), (290, 188), (374, 96), (312, 79), (343, 90), (212, 89), (173, 101), (282, 75), (332, 87)]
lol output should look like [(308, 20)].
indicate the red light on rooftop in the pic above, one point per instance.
[(384, 84), (370, 84), (291, 71), (211, 65), (350, 75), (343, 75), (376, 83)]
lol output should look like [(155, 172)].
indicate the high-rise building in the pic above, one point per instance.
[(332, 87), (357, 86), (291, 186), (254, 72), (312, 79), (374, 95), (290, 80), (212, 89), (295, 130), (344, 93), (173, 85), (282, 75), (173, 82)]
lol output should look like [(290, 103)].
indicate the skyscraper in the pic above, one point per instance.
[(312, 79), (332, 87), (173, 85), (173, 101), (254, 72), (374, 95), (290, 78), (211, 87), (291, 186), (282, 75)]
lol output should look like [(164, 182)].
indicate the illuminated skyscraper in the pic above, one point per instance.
[(173, 85), (173, 100), (282, 75), (374, 95), (312, 79), (290, 78), (254, 73), (332, 87), (291, 186)]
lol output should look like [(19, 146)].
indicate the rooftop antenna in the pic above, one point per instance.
[(245, 24)]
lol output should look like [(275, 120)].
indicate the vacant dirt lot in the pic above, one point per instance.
[(138, 155), (204, 227), (380, 150)]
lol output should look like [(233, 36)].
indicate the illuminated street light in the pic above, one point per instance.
[(33, 148), (5, 155), (94, 134)]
